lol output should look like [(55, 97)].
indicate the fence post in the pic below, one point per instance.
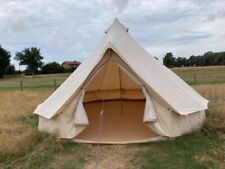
[(55, 84), (21, 85)]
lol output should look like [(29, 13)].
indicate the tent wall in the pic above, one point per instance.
[(112, 83), (168, 122), (179, 95), (63, 124), (171, 124)]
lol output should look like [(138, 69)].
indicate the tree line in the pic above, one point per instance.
[(32, 59), (207, 59)]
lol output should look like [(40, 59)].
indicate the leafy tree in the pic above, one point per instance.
[(31, 57), (192, 61), (4, 60), (198, 60), (169, 60), (10, 70), (52, 67), (180, 62), (220, 58), (207, 59)]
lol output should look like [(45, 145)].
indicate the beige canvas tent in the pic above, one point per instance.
[(141, 99)]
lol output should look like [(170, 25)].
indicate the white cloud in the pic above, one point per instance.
[(120, 5), (70, 29)]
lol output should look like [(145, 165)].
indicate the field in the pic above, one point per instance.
[(202, 75), (32, 82), (23, 147)]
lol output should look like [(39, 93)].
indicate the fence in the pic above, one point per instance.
[(22, 87), (32, 82)]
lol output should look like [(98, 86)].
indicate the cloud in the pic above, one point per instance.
[(71, 29), (16, 24), (188, 38), (13, 16), (120, 5)]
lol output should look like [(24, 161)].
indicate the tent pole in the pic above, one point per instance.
[(121, 99), (101, 117)]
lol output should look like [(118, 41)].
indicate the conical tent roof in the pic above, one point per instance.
[(168, 86)]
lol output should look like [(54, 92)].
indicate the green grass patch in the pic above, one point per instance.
[(191, 151), (203, 75), (33, 82)]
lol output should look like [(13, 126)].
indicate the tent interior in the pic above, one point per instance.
[(112, 90)]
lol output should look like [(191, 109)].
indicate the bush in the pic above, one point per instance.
[(52, 67), (28, 72), (69, 70), (10, 70)]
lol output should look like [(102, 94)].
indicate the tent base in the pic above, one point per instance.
[(120, 142), (122, 123)]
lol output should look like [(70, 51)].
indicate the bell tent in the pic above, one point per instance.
[(123, 90)]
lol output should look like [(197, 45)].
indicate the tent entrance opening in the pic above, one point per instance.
[(123, 107)]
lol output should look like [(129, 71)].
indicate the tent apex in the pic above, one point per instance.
[(117, 25)]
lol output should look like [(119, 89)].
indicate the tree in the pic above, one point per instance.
[(169, 60), (4, 60), (10, 70), (192, 61), (180, 62), (52, 67), (220, 58), (209, 58), (31, 57)]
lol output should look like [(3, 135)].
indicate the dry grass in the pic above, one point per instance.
[(19, 135), (203, 68), (119, 158), (202, 75), (16, 104), (216, 114), (16, 132)]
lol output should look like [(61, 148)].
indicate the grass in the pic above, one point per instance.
[(17, 124), (202, 75), (192, 151), (204, 149), (23, 147), (32, 82), (49, 153)]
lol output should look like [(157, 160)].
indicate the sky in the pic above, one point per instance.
[(71, 29)]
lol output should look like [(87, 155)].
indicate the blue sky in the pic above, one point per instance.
[(71, 29)]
